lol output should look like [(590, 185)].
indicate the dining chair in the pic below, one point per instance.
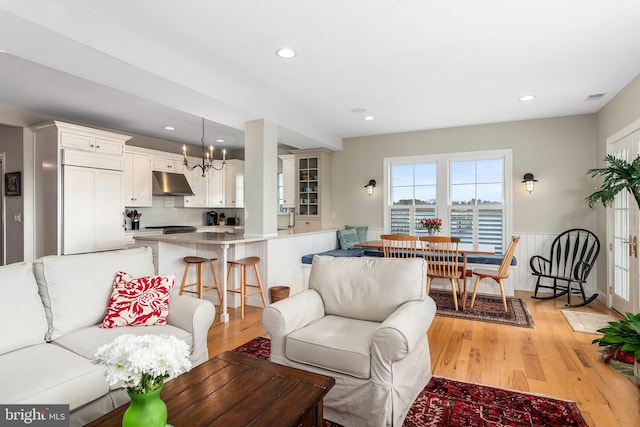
[(441, 254), (499, 275), (399, 245)]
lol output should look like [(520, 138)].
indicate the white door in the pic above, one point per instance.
[(624, 271)]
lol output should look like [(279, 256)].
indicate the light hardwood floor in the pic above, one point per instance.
[(549, 359)]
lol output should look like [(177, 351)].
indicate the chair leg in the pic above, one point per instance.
[(264, 300), (184, 278), (200, 280), (243, 287), (215, 279), (428, 285), (475, 291), (455, 294), (504, 298)]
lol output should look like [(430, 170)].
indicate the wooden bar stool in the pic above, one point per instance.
[(243, 263), (200, 286)]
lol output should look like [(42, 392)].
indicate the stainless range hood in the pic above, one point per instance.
[(170, 184)]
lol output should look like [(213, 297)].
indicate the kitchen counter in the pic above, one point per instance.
[(169, 250), (282, 268), (204, 237)]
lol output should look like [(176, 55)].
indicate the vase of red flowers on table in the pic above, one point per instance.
[(432, 225)]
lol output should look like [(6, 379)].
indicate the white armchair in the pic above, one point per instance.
[(364, 322)]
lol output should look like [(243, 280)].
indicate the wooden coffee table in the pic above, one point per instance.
[(234, 389)]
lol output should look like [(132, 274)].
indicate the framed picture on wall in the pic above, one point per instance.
[(12, 184)]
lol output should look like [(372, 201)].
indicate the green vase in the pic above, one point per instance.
[(146, 410)]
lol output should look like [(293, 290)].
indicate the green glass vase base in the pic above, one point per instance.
[(145, 410)]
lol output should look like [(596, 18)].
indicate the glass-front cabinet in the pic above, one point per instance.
[(313, 169), (308, 179)]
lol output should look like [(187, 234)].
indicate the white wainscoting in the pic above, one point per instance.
[(539, 244)]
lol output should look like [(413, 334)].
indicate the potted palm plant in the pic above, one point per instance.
[(622, 338), (618, 175), (621, 341)]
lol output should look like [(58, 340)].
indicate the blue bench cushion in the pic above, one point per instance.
[(358, 252), (488, 259)]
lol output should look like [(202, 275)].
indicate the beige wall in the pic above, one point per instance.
[(11, 145), (558, 151), (620, 112)]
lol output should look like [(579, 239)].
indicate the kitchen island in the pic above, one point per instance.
[(283, 267)]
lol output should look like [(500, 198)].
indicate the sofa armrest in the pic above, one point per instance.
[(285, 316), (401, 333), (195, 316)]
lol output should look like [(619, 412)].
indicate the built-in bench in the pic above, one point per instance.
[(359, 252)]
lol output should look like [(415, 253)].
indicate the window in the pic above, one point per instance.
[(469, 191)]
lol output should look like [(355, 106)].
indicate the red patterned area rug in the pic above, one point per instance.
[(445, 402), (487, 308)]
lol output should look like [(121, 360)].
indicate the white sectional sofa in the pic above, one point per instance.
[(50, 315)]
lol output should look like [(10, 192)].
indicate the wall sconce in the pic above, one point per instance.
[(370, 186), (529, 181)]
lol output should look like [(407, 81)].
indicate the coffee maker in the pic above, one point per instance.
[(212, 218)]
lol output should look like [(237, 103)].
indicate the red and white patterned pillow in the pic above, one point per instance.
[(138, 302)]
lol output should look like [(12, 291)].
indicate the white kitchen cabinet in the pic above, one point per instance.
[(137, 180), (215, 187), (234, 184), (92, 199), (219, 188), (87, 139), (78, 199), (289, 180), (168, 164), (198, 185)]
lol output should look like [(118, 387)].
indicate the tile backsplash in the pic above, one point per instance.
[(167, 210)]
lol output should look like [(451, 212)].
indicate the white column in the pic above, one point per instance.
[(261, 178)]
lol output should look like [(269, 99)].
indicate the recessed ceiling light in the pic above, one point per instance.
[(285, 52), (358, 110), (169, 128), (527, 98), (219, 140), (368, 118)]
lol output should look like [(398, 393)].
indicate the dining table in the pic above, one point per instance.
[(464, 248)]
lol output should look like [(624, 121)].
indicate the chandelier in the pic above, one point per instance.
[(207, 157)]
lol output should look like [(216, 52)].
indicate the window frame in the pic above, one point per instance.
[(443, 187)]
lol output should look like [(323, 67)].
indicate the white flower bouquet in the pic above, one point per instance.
[(143, 362)]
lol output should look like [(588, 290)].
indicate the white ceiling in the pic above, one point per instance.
[(413, 64)]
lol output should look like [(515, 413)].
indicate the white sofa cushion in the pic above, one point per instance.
[(334, 343), (22, 317), (47, 373), (367, 288), (86, 341), (75, 289)]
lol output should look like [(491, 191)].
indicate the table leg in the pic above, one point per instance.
[(224, 315), (464, 281)]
